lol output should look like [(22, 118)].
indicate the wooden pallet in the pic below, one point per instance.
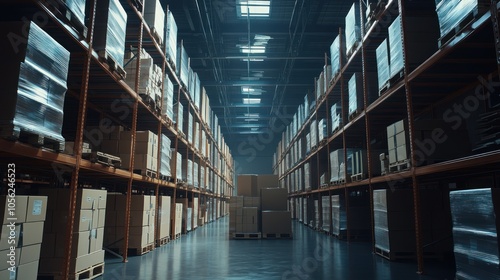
[(112, 64), (164, 241), (149, 101), (375, 13), (353, 49), (146, 172), (354, 114), (177, 236), (32, 137), (383, 88), (399, 166), (277, 236), (88, 273), (247, 236), (358, 177), (156, 35), (62, 12), (141, 251), (462, 25), (396, 78), (103, 158)]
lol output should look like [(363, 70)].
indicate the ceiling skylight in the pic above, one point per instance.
[(251, 100), (254, 8)]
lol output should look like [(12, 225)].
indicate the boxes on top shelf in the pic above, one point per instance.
[(356, 102), (171, 38), (150, 79), (155, 18), (352, 28), (383, 68), (166, 156), (320, 85), (110, 29), (168, 99), (182, 65), (337, 52)]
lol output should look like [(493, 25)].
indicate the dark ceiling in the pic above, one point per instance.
[(301, 32)]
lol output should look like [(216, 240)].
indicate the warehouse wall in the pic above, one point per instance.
[(260, 164)]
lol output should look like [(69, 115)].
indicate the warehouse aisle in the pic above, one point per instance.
[(207, 253)]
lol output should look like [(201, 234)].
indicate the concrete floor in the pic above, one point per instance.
[(206, 253)]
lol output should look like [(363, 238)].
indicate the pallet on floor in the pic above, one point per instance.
[(256, 235), (105, 57), (177, 236), (88, 273), (34, 138), (391, 255), (141, 251), (277, 236), (163, 241), (399, 166)]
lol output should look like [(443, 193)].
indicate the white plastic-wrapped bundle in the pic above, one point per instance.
[(182, 66), (178, 114), (196, 136), (308, 143), (337, 51), (452, 12), (307, 176), (316, 214), (177, 162), (339, 217), (320, 85), (202, 178), (155, 18), (314, 133), (197, 92), (359, 162), (34, 82), (166, 155), (191, 83), (322, 129), (383, 70), (475, 233), (196, 182), (336, 159), (171, 38), (355, 93), (305, 215), (110, 29), (188, 128), (203, 144), (306, 105), (77, 7), (327, 70), (188, 171), (352, 27), (395, 47), (325, 207), (335, 113), (168, 99)]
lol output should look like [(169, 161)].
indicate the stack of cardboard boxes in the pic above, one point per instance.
[(260, 207), (178, 219), (88, 231), (396, 142), (146, 150), (164, 218), (21, 236)]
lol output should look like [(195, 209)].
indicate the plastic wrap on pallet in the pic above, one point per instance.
[(336, 52), (308, 143), (305, 215), (339, 217), (355, 93), (451, 13), (395, 47), (178, 114), (327, 70), (39, 83), (168, 99), (335, 113), (110, 29), (314, 133), (316, 214), (383, 70), (196, 136), (475, 233), (166, 155), (77, 7), (320, 85), (336, 158), (203, 143), (188, 171), (188, 128), (307, 176), (359, 162), (155, 17), (197, 91), (202, 177), (196, 182), (182, 66), (171, 38), (325, 207), (352, 27), (191, 84)]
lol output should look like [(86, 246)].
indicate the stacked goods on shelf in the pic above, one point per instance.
[(167, 108), (205, 107), (306, 102), (317, 223), (327, 70), (197, 91), (188, 127), (21, 235), (352, 29), (187, 171), (110, 31), (383, 70), (195, 205), (336, 115), (322, 130), (308, 143), (196, 136), (355, 94), (276, 219), (146, 151), (166, 157), (299, 209), (171, 38), (325, 210), (398, 149), (421, 42), (338, 166), (203, 144), (320, 87), (189, 219), (202, 183), (314, 134), (184, 214), (307, 176), (150, 79), (475, 233), (191, 84), (452, 14), (179, 208), (182, 65), (337, 53), (305, 211), (164, 218), (155, 18), (196, 182), (88, 231), (33, 85), (77, 8), (178, 116), (176, 162), (359, 165), (339, 217)]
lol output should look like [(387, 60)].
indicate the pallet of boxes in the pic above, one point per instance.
[(87, 254), (21, 235), (260, 209)]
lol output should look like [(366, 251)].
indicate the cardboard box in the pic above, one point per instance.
[(31, 233), (267, 181), (96, 240), (84, 220), (401, 139), (247, 185), (139, 218), (101, 218), (29, 254), (20, 204), (4, 258), (274, 199), (87, 199), (120, 202), (27, 271), (137, 241), (276, 222), (142, 202), (251, 201), (81, 244)]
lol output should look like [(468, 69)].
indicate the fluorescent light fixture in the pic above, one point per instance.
[(253, 49), (254, 129), (252, 59), (247, 89), (250, 91), (254, 8), (251, 120), (251, 100), (252, 115)]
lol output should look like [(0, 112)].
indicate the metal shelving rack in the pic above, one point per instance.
[(409, 94), (94, 86)]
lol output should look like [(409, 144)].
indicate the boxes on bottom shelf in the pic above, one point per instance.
[(276, 222), (28, 271), (50, 265)]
